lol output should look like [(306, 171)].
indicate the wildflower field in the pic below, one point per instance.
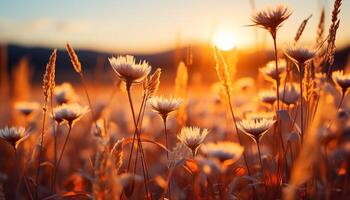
[(283, 135)]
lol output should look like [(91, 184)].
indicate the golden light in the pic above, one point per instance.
[(224, 40)]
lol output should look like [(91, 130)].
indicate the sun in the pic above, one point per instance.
[(224, 40)]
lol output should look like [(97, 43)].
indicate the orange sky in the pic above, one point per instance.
[(153, 25)]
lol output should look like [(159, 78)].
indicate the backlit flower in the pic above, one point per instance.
[(128, 70), (13, 135), (271, 18), (270, 71), (290, 94), (64, 93), (260, 115), (300, 55), (192, 137), (223, 151), (256, 128), (163, 106), (26, 108), (69, 113), (341, 80), (267, 96)]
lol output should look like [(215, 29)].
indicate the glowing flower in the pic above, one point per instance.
[(271, 18), (192, 137), (341, 80), (163, 106), (223, 151), (256, 128), (69, 113), (260, 115), (14, 135), (26, 108), (269, 69), (290, 94), (300, 55), (128, 70), (64, 93), (267, 96)]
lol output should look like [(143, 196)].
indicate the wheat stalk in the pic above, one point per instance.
[(77, 67), (74, 58), (301, 29), (48, 86), (332, 33)]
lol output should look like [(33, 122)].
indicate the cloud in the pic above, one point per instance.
[(44, 25)]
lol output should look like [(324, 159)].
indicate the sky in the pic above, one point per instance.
[(147, 26)]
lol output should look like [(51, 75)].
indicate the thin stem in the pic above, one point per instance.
[(40, 150), (17, 163), (134, 137), (261, 164), (55, 155), (237, 131), (341, 101), (61, 154), (128, 87), (87, 96), (239, 140), (166, 136), (278, 78), (301, 103)]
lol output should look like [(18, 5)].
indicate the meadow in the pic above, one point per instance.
[(283, 135)]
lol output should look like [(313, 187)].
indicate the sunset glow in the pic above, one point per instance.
[(225, 40)]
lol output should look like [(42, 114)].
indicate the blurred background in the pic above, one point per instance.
[(163, 32)]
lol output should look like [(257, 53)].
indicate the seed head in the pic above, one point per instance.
[(260, 115), (223, 151), (13, 135), (69, 113), (64, 94), (192, 137), (153, 83), (256, 128), (165, 105), (300, 55), (49, 76), (267, 96), (271, 18), (269, 70), (26, 107), (73, 58), (290, 94), (341, 80), (128, 70)]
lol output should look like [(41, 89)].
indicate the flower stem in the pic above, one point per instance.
[(341, 101), (61, 154), (301, 103), (261, 164), (239, 139), (55, 156), (40, 151), (17, 164), (166, 136), (87, 96), (237, 131), (134, 137), (143, 162), (278, 78)]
